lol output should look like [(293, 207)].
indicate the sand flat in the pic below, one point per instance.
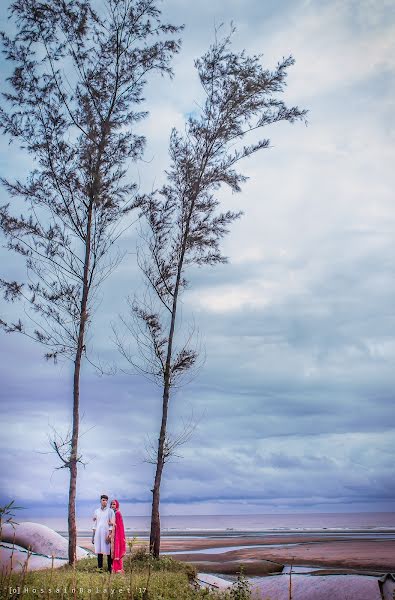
[(325, 551)]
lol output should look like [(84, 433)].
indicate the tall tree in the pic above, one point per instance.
[(73, 104), (183, 225)]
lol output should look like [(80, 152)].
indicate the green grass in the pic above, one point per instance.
[(144, 579), (140, 561)]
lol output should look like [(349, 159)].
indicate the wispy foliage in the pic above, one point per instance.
[(73, 103), (184, 223)]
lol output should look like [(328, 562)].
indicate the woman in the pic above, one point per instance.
[(118, 540)]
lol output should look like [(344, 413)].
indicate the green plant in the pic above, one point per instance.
[(7, 514), (80, 583), (131, 543), (141, 559), (140, 554), (241, 589)]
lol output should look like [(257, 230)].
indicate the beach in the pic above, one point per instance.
[(341, 563), (266, 542), (263, 544), (364, 554), (224, 554)]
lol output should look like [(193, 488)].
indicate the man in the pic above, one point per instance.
[(103, 523)]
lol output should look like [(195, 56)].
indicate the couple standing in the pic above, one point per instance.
[(108, 536)]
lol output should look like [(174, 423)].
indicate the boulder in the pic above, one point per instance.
[(40, 539), (15, 558)]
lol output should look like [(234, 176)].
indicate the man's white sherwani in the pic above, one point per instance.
[(103, 522)]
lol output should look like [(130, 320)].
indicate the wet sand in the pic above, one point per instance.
[(367, 555)]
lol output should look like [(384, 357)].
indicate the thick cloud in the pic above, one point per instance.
[(294, 401)]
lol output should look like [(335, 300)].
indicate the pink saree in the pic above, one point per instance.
[(118, 542)]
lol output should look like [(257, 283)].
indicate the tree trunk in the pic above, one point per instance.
[(155, 533), (154, 543), (74, 454), (74, 447), (72, 525), (71, 513)]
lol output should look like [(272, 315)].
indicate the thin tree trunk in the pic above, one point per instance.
[(72, 526), (154, 543), (155, 533), (71, 511), (155, 517)]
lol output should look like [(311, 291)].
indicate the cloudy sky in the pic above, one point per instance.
[(295, 402)]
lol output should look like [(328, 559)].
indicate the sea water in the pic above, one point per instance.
[(382, 523)]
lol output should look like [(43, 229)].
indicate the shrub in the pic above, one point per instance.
[(141, 559), (241, 589)]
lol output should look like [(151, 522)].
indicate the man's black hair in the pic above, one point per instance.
[(104, 496)]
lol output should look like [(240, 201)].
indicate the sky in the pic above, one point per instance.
[(294, 404)]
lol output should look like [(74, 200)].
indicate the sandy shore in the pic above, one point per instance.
[(366, 555)]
